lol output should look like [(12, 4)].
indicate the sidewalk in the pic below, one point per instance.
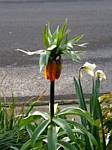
[(28, 82)]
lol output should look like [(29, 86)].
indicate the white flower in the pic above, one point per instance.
[(100, 74), (89, 68)]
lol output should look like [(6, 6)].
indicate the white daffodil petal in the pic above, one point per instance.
[(90, 72), (89, 68), (100, 74)]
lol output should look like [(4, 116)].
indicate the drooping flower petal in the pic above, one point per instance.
[(53, 70), (100, 74), (89, 68)]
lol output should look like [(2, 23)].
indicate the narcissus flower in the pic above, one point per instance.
[(100, 74), (89, 68)]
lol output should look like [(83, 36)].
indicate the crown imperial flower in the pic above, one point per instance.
[(56, 44)]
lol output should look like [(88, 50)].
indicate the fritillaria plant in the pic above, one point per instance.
[(56, 45)]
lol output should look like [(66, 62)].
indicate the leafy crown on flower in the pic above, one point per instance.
[(57, 44)]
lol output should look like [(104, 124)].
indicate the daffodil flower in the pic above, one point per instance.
[(100, 74), (89, 68)]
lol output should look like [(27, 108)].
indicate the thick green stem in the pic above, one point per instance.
[(52, 85)]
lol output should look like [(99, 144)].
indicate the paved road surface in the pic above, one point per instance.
[(21, 26)]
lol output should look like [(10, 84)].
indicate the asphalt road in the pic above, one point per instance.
[(21, 26)]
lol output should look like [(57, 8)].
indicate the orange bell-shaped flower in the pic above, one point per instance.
[(53, 70)]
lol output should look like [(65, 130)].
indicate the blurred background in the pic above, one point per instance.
[(21, 26)]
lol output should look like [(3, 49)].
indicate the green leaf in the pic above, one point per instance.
[(42, 60), (30, 108), (26, 145), (96, 104), (92, 97), (84, 130), (38, 131), (62, 32), (43, 115), (97, 113), (69, 45), (47, 38), (74, 55), (76, 38), (65, 126), (48, 53), (52, 137), (64, 27), (30, 129), (56, 108), (56, 36), (52, 47), (79, 92), (77, 111), (14, 148), (80, 95), (95, 109), (33, 117), (29, 119), (49, 31), (67, 146)]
